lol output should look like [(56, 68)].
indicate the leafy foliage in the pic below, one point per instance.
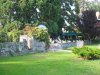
[(41, 34), (13, 25), (52, 28), (85, 4), (86, 24), (10, 32), (6, 7), (3, 36), (50, 12), (95, 6), (15, 14), (28, 30), (37, 33), (13, 36), (54, 11), (87, 53), (70, 10)]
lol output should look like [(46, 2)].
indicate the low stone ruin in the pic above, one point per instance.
[(23, 47)]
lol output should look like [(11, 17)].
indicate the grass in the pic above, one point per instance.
[(52, 63), (93, 46)]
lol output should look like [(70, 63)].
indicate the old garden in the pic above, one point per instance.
[(49, 37)]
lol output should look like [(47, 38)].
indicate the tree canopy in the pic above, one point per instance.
[(53, 12), (86, 24)]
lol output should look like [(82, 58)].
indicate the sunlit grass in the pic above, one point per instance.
[(52, 63), (11, 62), (93, 46)]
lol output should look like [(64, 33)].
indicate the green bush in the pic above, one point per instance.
[(10, 26), (13, 36), (87, 53), (3, 36), (41, 35)]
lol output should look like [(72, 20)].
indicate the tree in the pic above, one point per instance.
[(49, 9), (70, 10), (87, 4), (83, 5), (50, 12), (27, 11), (95, 6), (86, 24), (5, 10), (20, 10)]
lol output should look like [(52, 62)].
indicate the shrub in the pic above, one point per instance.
[(10, 26), (13, 36), (87, 53), (37, 33), (41, 35), (28, 30), (3, 36)]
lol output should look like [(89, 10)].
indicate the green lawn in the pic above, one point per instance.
[(52, 63), (93, 46)]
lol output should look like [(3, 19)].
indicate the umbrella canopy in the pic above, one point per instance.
[(42, 26)]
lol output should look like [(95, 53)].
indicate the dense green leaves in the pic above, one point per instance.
[(52, 28), (87, 53), (11, 26), (52, 12), (39, 34), (50, 9), (3, 36), (13, 36), (70, 10)]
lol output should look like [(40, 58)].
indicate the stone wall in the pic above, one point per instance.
[(60, 46), (69, 44), (38, 46), (20, 48)]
